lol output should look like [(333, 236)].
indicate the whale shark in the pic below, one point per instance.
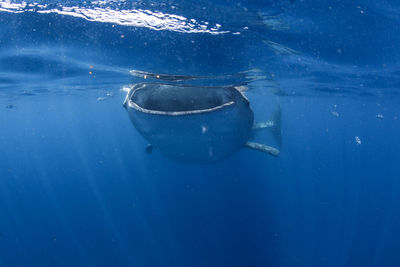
[(195, 124)]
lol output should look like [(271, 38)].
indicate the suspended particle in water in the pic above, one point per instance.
[(357, 140), (125, 89), (379, 116), (211, 151), (335, 113), (106, 96)]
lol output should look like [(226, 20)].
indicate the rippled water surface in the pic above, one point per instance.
[(78, 186)]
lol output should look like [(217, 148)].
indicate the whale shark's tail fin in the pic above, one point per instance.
[(276, 128)]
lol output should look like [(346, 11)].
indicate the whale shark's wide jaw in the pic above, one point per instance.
[(165, 99)]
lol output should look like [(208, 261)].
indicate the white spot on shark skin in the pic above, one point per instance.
[(204, 128), (357, 140)]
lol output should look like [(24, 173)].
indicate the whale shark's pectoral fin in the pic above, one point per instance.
[(263, 148), (149, 149)]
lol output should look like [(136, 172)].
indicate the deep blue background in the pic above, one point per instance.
[(77, 188)]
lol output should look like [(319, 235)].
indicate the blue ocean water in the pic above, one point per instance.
[(78, 189)]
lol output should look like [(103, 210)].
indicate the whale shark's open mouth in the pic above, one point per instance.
[(165, 99)]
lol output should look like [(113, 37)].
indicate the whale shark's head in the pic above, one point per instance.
[(191, 124)]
